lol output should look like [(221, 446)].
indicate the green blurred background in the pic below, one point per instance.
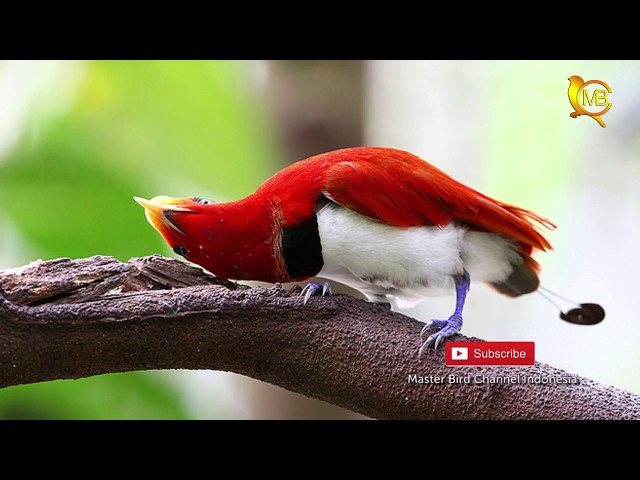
[(79, 138), (86, 137)]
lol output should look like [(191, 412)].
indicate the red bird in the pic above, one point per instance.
[(380, 220)]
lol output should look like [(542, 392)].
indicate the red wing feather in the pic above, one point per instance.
[(397, 188)]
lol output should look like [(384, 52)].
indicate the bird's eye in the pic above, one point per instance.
[(202, 201), (180, 250)]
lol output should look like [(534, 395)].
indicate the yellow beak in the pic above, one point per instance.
[(156, 208)]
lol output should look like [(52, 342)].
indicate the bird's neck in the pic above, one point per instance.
[(241, 240)]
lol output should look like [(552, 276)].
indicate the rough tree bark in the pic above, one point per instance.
[(76, 318)]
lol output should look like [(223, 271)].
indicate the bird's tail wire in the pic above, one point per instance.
[(548, 293), (581, 314)]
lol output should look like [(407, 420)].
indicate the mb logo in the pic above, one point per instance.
[(589, 98)]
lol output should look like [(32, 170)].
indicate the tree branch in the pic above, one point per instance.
[(76, 318)]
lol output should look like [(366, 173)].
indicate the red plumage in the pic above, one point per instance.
[(399, 189), (243, 239)]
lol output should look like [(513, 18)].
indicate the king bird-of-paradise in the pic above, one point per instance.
[(380, 220)]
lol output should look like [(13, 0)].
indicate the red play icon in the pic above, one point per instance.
[(489, 353)]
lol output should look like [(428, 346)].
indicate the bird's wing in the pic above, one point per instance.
[(397, 188)]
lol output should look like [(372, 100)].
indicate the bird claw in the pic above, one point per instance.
[(434, 322), (447, 328), (312, 288)]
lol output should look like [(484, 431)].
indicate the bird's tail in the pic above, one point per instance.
[(524, 277)]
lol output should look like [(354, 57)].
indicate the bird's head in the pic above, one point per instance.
[(178, 220), (237, 240), (576, 80)]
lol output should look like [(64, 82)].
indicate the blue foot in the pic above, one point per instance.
[(447, 328), (454, 324), (315, 288)]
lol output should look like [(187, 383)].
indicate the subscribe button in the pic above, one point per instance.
[(459, 354)]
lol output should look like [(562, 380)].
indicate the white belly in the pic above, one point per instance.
[(401, 266)]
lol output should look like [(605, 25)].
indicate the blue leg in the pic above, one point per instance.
[(454, 323), (315, 288)]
